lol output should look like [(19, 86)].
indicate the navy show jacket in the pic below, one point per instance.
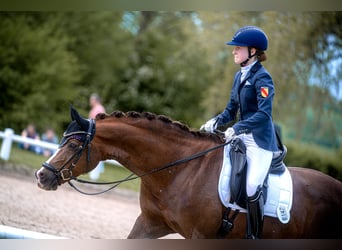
[(253, 98)]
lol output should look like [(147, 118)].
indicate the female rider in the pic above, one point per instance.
[(251, 100)]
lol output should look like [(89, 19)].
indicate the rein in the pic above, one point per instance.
[(131, 177), (60, 173)]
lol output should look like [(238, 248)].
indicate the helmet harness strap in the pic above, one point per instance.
[(244, 63)]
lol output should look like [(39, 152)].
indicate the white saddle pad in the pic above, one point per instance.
[(279, 194)]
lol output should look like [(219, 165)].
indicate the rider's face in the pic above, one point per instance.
[(240, 54)]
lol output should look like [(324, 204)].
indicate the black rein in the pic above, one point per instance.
[(89, 136)]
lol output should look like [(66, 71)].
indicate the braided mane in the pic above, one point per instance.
[(151, 116)]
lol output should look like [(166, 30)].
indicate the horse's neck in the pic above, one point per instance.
[(141, 147)]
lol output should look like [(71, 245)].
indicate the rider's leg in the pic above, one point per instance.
[(258, 163)]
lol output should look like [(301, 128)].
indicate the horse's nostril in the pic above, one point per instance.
[(39, 174)]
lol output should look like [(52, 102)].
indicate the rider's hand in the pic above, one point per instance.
[(229, 134), (209, 126)]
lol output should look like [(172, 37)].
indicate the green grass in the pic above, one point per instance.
[(31, 160)]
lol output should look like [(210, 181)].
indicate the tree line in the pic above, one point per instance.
[(171, 63)]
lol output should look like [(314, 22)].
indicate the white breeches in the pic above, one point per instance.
[(258, 163)]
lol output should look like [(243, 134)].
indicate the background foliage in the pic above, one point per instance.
[(172, 63)]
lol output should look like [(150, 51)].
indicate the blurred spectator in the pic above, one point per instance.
[(96, 108), (49, 136), (30, 132)]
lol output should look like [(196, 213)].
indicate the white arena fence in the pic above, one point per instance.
[(9, 137), (7, 232)]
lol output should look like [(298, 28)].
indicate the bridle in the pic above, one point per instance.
[(65, 173)]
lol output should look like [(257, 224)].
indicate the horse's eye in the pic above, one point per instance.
[(72, 145)]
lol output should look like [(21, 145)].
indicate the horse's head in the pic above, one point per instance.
[(73, 155)]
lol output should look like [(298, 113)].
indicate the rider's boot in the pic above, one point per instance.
[(255, 215)]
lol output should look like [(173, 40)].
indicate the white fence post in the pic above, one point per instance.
[(7, 144), (9, 137)]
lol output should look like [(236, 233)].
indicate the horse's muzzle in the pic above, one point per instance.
[(46, 180)]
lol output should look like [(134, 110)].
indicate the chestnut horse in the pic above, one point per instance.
[(184, 198)]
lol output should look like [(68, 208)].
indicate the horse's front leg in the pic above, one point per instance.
[(148, 228)]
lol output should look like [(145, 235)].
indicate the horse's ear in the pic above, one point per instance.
[(75, 116)]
